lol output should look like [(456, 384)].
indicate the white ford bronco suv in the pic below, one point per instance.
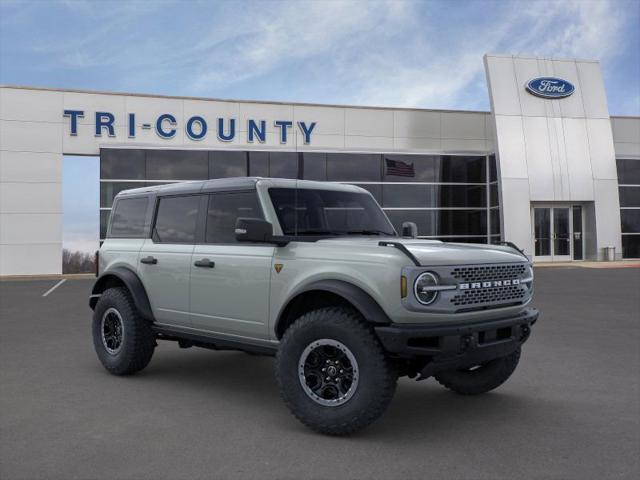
[(315, 274)]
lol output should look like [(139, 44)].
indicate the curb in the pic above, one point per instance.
[(68, 276)]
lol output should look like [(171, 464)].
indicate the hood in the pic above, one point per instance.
[(435, 252)]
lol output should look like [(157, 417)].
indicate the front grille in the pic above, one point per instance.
[(509, 294), (480, 273)]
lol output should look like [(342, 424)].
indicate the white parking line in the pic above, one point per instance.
[(54, 287)]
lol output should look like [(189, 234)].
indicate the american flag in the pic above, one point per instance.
[(399, 168)]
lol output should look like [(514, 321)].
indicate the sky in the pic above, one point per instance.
[(385, 53)]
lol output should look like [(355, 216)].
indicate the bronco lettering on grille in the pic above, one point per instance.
[(490, 284)]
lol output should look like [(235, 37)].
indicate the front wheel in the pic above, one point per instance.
[(481, 378), (332, 372)]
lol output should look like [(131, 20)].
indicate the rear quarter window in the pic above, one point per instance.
[(176, 219), (128, 218)]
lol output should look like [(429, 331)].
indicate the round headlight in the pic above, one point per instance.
[(422, 288)]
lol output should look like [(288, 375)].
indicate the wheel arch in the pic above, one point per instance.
[(123, 277), (324, 293)]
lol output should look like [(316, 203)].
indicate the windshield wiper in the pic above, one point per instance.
[(343, 232), (320, 232), (368, 232)]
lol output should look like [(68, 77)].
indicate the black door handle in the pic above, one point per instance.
[(205, 262), (149, 260)]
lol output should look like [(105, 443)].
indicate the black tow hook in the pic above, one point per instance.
[(468, 342), (524, 333)]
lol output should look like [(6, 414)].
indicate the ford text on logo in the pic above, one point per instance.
[(550, 87), (196, 127)]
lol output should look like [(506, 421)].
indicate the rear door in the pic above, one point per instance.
[(230, 280), (165, 259)]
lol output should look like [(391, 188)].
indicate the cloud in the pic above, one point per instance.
[(387, 52), (561, 29), (276, 38)]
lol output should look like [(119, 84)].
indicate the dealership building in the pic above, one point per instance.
[(547, 168)]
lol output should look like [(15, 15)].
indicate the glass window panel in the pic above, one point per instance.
[(494, 215), (283, 165), (470, 196), (577, 232), (493, 168), (628, 171), (109, 190), (458, 222), (434, 196), (630, 221), (403, 196), (177, 165), (224, 209), (224, 164), (629, 196), (375, 190), (176, 219), (122, 164), (461, 169), (129, 218), (315, 166), (463, 239), (630, 246), (442, 222), (258, 164), (410, 168), (353, 167), (494, 197), (104, 222)]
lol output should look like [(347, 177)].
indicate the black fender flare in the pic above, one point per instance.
[(361, 300), (133, 284)]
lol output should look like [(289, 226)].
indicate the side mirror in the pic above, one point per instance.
[(409, 229), (253, 230)]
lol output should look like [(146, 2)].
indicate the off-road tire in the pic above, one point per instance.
[(377, 377), (482, 379), (138, 341)]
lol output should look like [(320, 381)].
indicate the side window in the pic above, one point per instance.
[(176, 219), (224, 209), (128, 218)]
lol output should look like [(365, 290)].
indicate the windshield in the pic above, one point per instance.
[(328, 212)]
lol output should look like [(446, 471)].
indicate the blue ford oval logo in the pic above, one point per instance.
[(550, 87)]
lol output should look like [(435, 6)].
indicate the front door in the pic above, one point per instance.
[(230, 280), (557, 232)]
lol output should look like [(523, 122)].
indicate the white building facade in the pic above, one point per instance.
[(547, 168)]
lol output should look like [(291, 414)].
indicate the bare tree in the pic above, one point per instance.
[(77, 262)]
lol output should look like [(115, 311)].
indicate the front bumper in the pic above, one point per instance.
[(450, 347)]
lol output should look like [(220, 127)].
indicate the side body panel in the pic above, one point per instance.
[(232, 297), (120, 252), (167, 281)]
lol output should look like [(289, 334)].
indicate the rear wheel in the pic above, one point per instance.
[(480, 378), (332, 373), (123, 340)]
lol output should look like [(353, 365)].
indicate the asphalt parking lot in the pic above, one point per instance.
[(571, 410)]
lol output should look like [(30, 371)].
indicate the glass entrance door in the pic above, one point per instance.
[(542, 233), (561, 234), (557, 232)]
